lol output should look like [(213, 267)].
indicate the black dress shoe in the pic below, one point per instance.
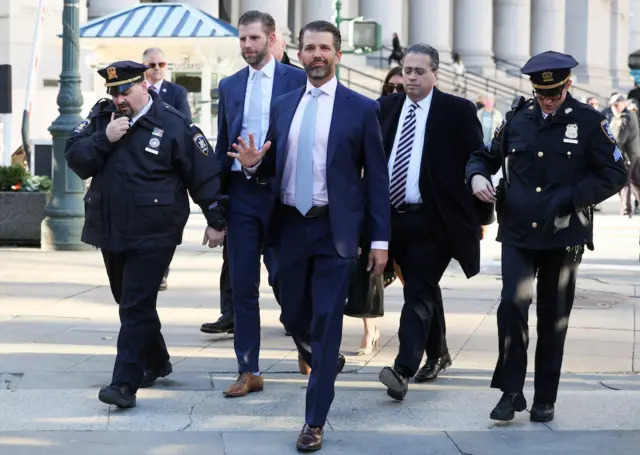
[(310, 439), (432, 368), (151, 375), (542, 412), (506, 408), (397, 386), (119, 396), (340, 364), (220, 326)]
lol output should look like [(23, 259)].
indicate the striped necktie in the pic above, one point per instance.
[(398, 188)]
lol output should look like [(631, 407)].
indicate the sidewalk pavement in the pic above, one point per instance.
[(59, 324)]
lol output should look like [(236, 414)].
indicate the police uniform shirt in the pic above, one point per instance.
[(413, 174)]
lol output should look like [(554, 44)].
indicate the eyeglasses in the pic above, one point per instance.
[(545, 97), (418, 71), (389, 88), (159, 65)]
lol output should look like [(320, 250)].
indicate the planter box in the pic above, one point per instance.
[(20, 217)]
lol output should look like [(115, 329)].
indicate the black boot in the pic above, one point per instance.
[(222, 325), (542, 412), (120, 396), (508, 405), (432, 369), (151, 375)]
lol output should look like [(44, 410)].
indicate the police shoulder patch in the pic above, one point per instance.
[(607, 130), (82, 125), (201, 143)]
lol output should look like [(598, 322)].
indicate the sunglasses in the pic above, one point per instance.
[(159, 65), (393, 87)]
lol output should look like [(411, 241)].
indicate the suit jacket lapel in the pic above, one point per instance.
[(433, 117), (279, 82), (241, 86), (338, 119), (389, 133)]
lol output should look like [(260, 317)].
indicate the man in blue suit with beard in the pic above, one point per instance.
[(245, 100), (322, 137)]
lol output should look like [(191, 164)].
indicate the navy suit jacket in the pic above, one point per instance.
[(175, 95), (356, 200), (231, 96)]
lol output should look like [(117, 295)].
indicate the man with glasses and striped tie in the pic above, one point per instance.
[(428, 137)]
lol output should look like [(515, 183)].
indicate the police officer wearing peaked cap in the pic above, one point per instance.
[(559, 159), (144, 158)]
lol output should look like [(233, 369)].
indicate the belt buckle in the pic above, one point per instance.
[(400, 211)]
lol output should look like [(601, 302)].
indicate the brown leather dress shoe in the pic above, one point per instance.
[(310, 439), (244, 385), (303, 366)]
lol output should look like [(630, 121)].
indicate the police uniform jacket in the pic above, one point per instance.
[(138, 195), (556, 171)]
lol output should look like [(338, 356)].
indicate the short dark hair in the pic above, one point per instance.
[(322, 26), (425, 49), (267, 20)]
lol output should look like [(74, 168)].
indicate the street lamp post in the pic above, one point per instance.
[(338, 20), (64, 215)]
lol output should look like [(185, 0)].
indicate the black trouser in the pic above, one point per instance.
[(226, 293), (134, 277), (556, 271), (423, 250), (437, 339)]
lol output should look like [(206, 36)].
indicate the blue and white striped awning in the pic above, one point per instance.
[(158, 20)]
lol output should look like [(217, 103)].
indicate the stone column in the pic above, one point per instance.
[(511, 31), (316, 10), (473, 35), (620, 77), (587, 38), (634, 26), (390, 17), (207, 6), (102, 8), (547, 26), (431, 22)]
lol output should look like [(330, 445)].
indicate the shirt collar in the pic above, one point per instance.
[(328, 88), (268, 70), (424, 103), (142, 112)]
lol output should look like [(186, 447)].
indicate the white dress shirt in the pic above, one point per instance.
[(267, 89), (412, 195), (320, 142)]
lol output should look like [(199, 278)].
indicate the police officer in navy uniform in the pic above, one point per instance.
[(144, 157), (559, 159)]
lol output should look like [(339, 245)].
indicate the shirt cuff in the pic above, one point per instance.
[(379, 245), (249, 171)]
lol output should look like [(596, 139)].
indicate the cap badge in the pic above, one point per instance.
[(111, 73), (547, 76)]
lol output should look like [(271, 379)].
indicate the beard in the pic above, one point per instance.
[(317, 72), (125, 109), (257, 57)]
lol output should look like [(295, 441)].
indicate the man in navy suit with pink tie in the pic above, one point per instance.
[(321, 137)]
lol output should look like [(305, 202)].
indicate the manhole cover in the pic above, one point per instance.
[(598, 299)]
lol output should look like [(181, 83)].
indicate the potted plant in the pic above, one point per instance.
[(23, 198)]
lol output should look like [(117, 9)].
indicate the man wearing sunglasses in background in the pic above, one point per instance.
[(173, 94)]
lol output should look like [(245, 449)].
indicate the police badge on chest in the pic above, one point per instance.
[(154, 142), (571, 134)]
